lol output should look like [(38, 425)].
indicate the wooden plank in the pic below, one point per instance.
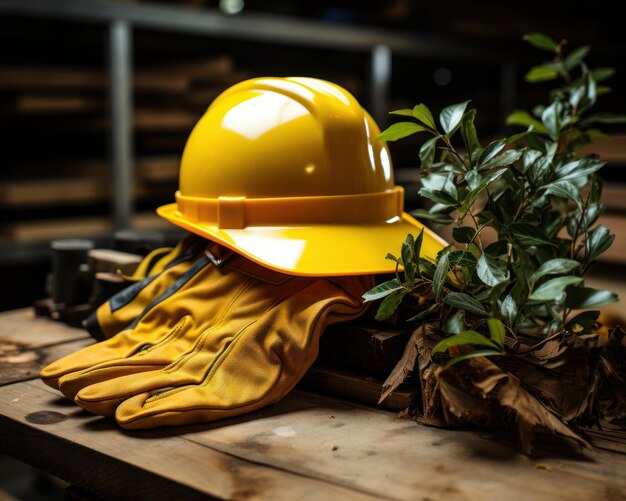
[(42, 429), (367, 390), (23, 326), (401, 459), (87, 227), (29, 343), (32, 104), (21, 362)]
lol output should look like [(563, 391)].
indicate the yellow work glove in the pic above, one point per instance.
[(225, 341), (120, 315), (168, 264)]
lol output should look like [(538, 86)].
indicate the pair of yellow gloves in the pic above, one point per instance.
[(202, 334)]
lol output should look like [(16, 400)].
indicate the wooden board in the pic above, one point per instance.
[(367, 390), (43, 429), (85, 227), (306, 447), (29, 343)]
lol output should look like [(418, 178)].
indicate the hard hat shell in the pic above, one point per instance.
[(289, 173)]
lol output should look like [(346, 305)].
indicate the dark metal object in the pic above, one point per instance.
[(70, 280), (121, 128)]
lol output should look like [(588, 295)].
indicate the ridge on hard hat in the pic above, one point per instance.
[(289, 173)]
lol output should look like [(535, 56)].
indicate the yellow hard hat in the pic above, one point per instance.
[(289, 173)]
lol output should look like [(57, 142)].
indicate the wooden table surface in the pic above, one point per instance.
[(306, 447)]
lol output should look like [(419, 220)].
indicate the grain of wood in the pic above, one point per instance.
[(29, 343), (341, 384), (85, 227), (91, 452)]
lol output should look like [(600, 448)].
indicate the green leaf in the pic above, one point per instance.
[(471, 197), (602, 74), (464, 234), (441, 273), (491, 150), (605, 118), (579, 298), (525, 119), (575, 57), (465, 302), (490, 270), (496, 331), (427, 268), (586, 320), (468, 133), (509, 311), (473, 179), (576, 96), (551, 118), (552, 289), (579, 168), (463, 258), (391, 257), (390, 304), (472, 354), (450, 117), (541, 41), (405, 112), (399, 130), (540, 74), (599, 240), (417, 245), (382, 290), (427, 153), (438, 196), (465, 337), (527, 235), (423, 314), (553, 267), (438, 217), (455, 323), (591, 89), (506, 158), (423, 114), (407, 250), (563, 189)]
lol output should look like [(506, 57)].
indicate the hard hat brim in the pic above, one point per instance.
[(317, 250)]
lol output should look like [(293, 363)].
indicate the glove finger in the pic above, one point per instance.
[(103, 397), (147, 356), (122, 346), (99, 392)]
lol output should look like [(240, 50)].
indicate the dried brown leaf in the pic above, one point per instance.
[(429, 372), (566, 384), (530, 413), (405, 366), (460, 401)]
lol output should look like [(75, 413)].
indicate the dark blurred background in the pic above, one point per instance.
[(58, 133)]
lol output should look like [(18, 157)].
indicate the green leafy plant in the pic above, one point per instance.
[(524, 212)]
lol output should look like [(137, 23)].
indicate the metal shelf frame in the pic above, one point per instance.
[(122, 18)]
